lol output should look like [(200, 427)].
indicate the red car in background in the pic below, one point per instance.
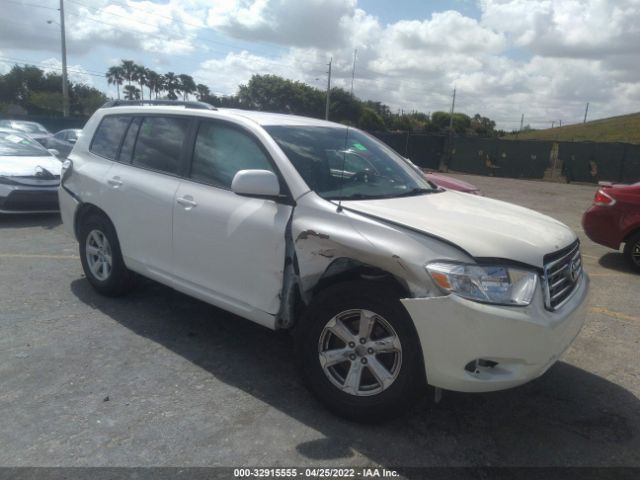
[(451, 183), (614, 218)]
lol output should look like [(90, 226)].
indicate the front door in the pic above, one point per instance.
[(228, 249)]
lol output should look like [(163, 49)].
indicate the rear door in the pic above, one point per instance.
[(142, 188), (228, 249)]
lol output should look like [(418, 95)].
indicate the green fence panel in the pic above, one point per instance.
[(522, 159), (592, 162), (631, 165), (425, 150), (396, 140), (474, 155)]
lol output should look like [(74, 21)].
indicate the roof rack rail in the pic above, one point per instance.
[(169, 103)]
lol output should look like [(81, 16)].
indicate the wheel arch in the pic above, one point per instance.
[(83, 212)]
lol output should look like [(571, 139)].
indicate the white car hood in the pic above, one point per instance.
[(482, 226), (28, 166)]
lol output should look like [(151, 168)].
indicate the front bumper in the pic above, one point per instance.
[(28, 199), (524, 341)]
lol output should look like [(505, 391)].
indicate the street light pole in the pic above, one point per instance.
[(65, 84)]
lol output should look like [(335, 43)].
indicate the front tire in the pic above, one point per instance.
[(632, 251), (101, 257), (360, 353)]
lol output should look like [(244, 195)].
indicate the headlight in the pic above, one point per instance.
[(487, 284)]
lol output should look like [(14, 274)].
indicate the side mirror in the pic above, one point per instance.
[(256, 183), (72, 140), (53, 152)]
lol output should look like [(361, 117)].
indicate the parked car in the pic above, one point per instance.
[(34, 129), (29, 175), (614, 219), (63, 141), (451, 183), (387, 282)]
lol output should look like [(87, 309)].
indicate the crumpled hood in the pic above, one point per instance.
[(28, 166), (482, 226)]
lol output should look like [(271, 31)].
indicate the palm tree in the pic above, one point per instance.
[(131, 92), (202, 92), (115, 76), (128, 70), (141, 78), (187, 85), (153, 82), (171, 85)]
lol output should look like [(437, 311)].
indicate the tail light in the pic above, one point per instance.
[(603, 199)]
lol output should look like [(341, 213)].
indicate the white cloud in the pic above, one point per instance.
[(544, 58), (75, 73)]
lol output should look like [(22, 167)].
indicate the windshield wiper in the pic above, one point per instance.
[(414, 192), (358, 196)]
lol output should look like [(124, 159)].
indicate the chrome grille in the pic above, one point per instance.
[(562, 273)]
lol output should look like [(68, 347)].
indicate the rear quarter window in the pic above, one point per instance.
[(108, 136)]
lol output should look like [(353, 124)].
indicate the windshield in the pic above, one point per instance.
[(343, 163), (17, 145), (30, 127)]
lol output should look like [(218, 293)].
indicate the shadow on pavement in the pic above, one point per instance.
[(615, 261), (47, 221), (567, 417)]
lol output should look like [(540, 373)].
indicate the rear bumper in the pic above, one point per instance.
[(524, 342), (601, 224), (28, 199)]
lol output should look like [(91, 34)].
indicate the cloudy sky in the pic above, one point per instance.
[(543, 58)]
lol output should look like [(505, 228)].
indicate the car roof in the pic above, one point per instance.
[(261, 118)]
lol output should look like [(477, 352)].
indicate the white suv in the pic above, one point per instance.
[(387, 281)]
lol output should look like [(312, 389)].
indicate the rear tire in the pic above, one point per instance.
[(632, 251), (101, 257), (368, 380)]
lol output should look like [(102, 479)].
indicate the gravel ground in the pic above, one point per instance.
[(160, 379)]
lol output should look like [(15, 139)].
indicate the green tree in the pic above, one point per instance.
[(370, 120), (140, 76), (129, 69), (154, 82), (171, 85), (187, 85), (483, 126), (115, 76), (131, 92)]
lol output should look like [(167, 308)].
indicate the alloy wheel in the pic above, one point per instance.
[(360, 352), (99, 256)]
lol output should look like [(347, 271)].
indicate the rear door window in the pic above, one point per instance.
[(159, 144), (221, 151), (108, 136)]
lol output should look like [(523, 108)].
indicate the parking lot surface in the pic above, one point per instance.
[(157, 378)]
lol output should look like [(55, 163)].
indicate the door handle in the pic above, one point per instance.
[(115, 182), (187, 202)]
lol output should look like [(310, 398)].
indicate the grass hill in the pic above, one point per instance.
[(625, 128)]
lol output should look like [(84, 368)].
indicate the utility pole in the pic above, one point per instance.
[(553, 123), (444, 165), (586, 111), (453, 106), (353, 70), (522, 122), (65, 85), (326, 108)]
